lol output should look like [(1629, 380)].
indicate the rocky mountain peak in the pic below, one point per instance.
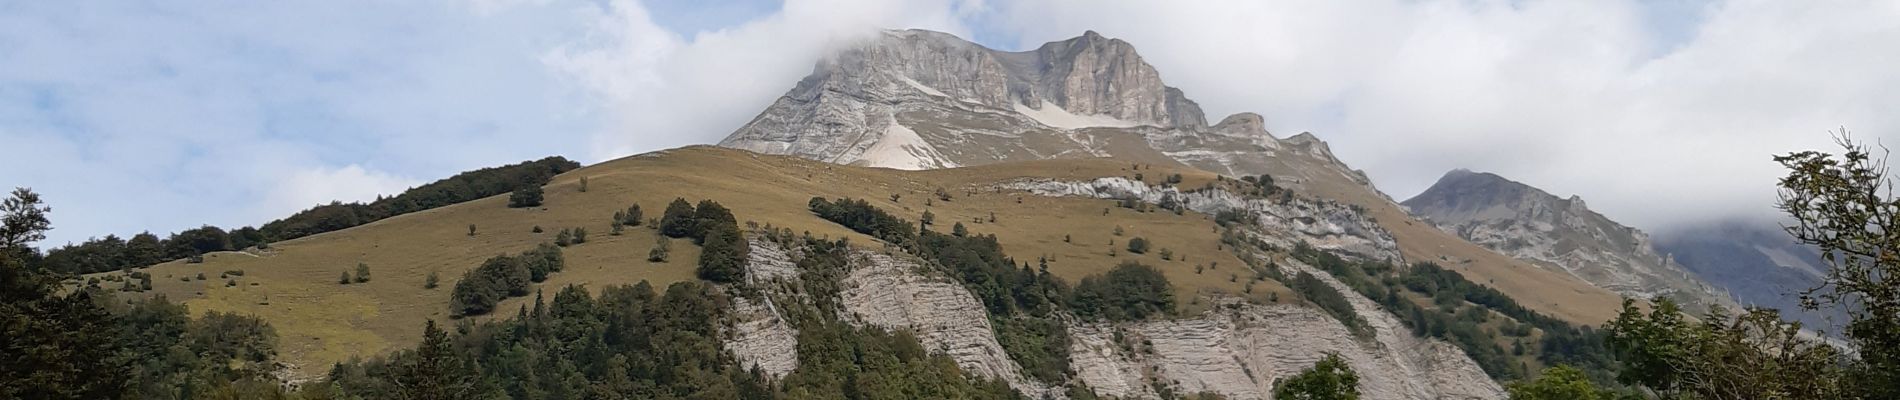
[(916, 99), (1462, 195)]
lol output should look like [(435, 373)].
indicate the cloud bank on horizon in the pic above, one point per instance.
[(163, 118)]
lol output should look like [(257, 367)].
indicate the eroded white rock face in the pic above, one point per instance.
[(1325, 225), (761, 337), (894, 293), (1240, 350)]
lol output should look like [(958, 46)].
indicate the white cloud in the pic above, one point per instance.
[(353, 183), (1575, 97), (663, 90), (135, 117)]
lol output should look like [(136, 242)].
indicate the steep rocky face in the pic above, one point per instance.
[(920, 100), (884, 291), (761, 337), (895, 293), (1530, 224)]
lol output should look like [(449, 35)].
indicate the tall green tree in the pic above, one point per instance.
[(1330, 379), (23, 219), (52, 345), (434, 373), (710, 215), (1753, 355), (1561, 382), (1844, 207), (723, 255), (677, 221)]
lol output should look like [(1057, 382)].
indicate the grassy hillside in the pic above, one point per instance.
[(294, 283)]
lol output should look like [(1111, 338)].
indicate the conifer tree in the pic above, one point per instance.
[(677, 221)]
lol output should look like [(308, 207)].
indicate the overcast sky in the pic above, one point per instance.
[(131, 116)]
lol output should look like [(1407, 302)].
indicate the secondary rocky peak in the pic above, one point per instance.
[(1517, 219), (1242, 124), (1463, 195)]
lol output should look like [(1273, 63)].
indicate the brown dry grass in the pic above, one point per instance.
[(294, 284)]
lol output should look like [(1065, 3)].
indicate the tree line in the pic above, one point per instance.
[(1459, 311), (87, 344), (113, 253)]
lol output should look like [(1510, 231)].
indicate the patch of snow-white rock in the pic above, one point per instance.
[(1322, 224), (893, 292), (1240, 350), (761, 337)]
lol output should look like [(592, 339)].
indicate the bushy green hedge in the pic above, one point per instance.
[(501, 277)]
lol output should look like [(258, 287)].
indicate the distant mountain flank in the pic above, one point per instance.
[(1528, 223), (1757, 262)]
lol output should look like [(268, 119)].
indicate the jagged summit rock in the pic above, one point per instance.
[(1528, 223), (917, 99)]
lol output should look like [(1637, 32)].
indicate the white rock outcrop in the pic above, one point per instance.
[(1322, 224), (761, 337), (895, 293), (1240, 350)]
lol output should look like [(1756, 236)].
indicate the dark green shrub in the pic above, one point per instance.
[(525, 196), (1138, 245)]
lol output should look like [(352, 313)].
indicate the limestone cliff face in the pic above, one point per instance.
[(891, 292), (896, 293), (760, 336), (1239, 351), (1524, 222)]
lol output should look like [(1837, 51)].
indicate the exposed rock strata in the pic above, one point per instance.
[(894, 293), (1322, 224)]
